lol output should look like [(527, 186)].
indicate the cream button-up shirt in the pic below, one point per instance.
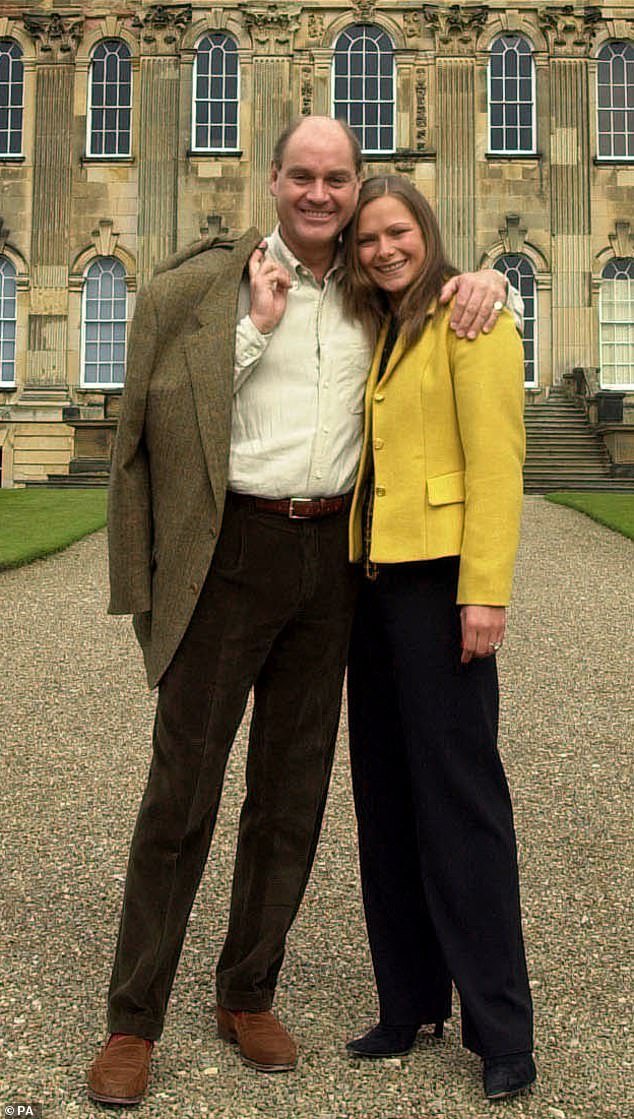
[(297, 419), (298, 395)]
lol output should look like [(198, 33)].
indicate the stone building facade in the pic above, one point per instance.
[(89, 202)]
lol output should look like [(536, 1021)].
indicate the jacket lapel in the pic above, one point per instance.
[(210, 354), (422, 349)]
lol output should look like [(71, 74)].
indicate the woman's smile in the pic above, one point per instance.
[(390, 244)]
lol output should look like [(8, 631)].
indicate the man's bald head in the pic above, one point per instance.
[(322, 124)]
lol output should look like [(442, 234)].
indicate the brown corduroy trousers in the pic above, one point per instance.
[(275, 615)]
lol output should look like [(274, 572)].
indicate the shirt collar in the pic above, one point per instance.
[(281, 252)]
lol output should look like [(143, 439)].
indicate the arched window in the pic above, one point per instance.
[(7, 323), (216, 95), (104, 319), (520, 273), (110, 100), (615, 101), (11, 98), (616, 324), (363, 86), (511, 96)]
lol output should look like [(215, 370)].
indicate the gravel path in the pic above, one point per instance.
[(76, 719)]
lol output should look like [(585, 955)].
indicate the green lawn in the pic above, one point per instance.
[(616, 510), (37, 522)]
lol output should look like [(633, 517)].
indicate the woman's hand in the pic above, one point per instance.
[(482, 630), (269, 287)]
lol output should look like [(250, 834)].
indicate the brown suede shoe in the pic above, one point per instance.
[(120, 1073), (264, 1043)]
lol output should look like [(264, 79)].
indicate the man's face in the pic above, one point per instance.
[(316, 188)]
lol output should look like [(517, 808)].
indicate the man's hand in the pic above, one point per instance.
[(269, 287), (477, 296), (482, 631)]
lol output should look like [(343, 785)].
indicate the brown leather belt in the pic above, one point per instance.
[(297, 508)]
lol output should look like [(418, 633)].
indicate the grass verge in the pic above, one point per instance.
[(35, 523), (616, 510)]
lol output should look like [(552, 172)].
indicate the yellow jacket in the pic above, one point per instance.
[(444, 427)]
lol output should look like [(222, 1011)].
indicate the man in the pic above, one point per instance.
[(235, 457)]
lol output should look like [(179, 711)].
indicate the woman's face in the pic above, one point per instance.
[(390, 245)]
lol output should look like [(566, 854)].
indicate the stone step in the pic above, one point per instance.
[(552, 485), (77, 481)]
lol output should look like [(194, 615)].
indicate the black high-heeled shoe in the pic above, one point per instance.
[(387, 1041), (508, 1076)]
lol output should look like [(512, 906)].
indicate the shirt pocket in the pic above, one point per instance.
[(446, 489), (350, 373)]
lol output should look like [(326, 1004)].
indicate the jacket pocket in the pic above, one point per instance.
[(446, 489)]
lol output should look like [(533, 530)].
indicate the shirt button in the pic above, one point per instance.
[(378, 444), (318, 473), (325, 430), (379, 397), (380, 491), (195, 587)]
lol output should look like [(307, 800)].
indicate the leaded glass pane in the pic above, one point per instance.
[(363, 85), (616, 323), (215, 111), (8, 301), (511, 95), (110, 99), (615, 91), (104, 323), (11, 97), (519, 271)]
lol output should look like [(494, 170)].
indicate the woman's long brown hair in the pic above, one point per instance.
[(369, 304)]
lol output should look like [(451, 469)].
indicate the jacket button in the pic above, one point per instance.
[(378, 444), (195, 587), (380, 491), (379, 397)]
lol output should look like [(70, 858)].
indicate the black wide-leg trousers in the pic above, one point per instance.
[(436, 835), (275, 615)]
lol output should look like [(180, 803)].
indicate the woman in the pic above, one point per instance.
[(435, 517)]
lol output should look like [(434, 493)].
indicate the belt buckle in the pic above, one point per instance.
[(292, 502)]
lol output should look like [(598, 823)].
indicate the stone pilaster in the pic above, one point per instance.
[(323, 68), (160, 31), (456, 160), (272, 28), (570, 39), (56, 38), (455, 32)]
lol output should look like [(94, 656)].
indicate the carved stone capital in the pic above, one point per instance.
[(568, 30), (104, 239), (622, 240), (513, 235), (271, 26), (455, 27), (56, 37), (160, 28), (316, 26)]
